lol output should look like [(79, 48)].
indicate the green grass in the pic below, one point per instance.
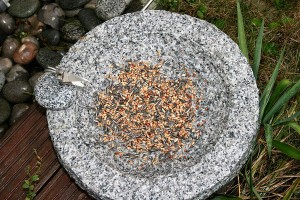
[(268, 33)]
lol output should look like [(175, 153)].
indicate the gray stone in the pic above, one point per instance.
[(23, 8), (72, 13), (3, 128), (17, 91), (7, 23), (72, 31), (91, 4), (88, 18), (181, 44), (52, 15), (17, 111), (2, 80), (18, 73), (5, 110), (107, 9), (48, 58), (71, 4), (33, 79), (5, 64), (138, 5), (9, 47), (51, 36), (31, 39)]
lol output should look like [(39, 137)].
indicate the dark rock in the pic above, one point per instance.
[(9, 46), (88, 18), (71, 4), (72, 13), (7, 23), (31, 25), (91, 4), (2, 79), (109, 9), (33, 79), (23, 8), (51, 36), (18, 73), (17, 111), (3, 128), (5, 110), (17, 91), (25, 53), (2, 37), (52, 15), (48, 58), (72, 31), (5, 65)]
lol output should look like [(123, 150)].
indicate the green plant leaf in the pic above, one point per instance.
[(291, 190), (269, 137), (287, 149), (226, 198), (256, 22), (284, 99), (25, 185), (270, 48), (220, 23), (287, 20), (287, 120), (202, 8), (257, 51), (278, 91), (294, 126), (241, 31), (27, 198), (35, 178), (200, 14), (31, 187), (264, 99), (274, 25)]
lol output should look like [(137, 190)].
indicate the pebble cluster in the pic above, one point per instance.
[(34, 35)]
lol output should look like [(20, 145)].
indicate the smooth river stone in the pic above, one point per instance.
[(52, 15), (88, 18), (5, 110), (23, 8), (2, 80), (25, 53), (72, 31), (7, 23), (51, 36), (33, 79), (17, 111), (48, 58), (17, 72), (31, 39), (9, 46), (71, 4), (3, 128), (17, 91), (5, 65)]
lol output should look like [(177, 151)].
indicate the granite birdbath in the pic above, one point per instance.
[(223, 108)]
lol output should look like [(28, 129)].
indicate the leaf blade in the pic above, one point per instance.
[(241, 31), (287, 149), (269, 137), (257, 50)]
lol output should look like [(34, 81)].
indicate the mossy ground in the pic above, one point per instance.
[(273, 177)]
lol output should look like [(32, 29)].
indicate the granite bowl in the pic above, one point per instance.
[(230, 106)]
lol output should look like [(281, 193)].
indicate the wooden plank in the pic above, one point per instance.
[(68, 192)]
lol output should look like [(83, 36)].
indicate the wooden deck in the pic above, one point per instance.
[(16, 153)]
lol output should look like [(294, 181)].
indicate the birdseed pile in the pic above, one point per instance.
[(147, 117)]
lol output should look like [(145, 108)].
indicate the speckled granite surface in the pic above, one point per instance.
[(107, 9), (230, 94)]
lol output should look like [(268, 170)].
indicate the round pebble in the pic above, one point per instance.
[(25, 53), (72, 13), (5, 64), (17, 72), (9, 46), (17, 91), (32, 25), (5, 110), (23, 8), (91, 4), (51, 36), (7, 23), (88, 18), (33, 79), (71, 4), (48, 58), (31, 39), (17, 111), (52, 15), (2, 79), (3, 128), (110, 9), (72, 31)]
